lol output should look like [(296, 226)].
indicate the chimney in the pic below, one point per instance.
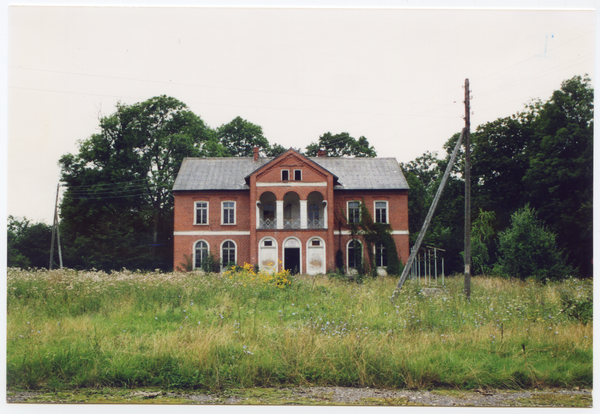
[(321, 153), (255, 154)]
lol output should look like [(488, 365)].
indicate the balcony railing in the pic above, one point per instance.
[(291, 223), (267, 224), (315, 223), (271, 224)]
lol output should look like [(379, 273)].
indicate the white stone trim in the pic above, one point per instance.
[(293, 184), (221, 252), (262, 248), (283, 252), (223, 213), (195, 265), (211, 233), (348, 210), (196, 213), (387, 211)]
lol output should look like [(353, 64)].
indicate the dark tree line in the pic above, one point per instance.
[(117, 208), (540, 158)]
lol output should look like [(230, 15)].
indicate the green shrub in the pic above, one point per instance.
[(528, 249)]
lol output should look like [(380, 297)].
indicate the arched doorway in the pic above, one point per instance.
[(315, 256), (292, 255), (267, 254)]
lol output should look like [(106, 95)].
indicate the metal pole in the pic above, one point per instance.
[(53, 229), (58, 241), (438, 194), (467, 191), (443, 283), (435, 261)]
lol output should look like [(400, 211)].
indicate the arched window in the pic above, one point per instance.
[(228, 253), (354, 254), (268, 212), (200, 254), (380, 255), (313, 212)]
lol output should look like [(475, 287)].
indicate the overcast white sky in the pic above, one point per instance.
[(392, 75)]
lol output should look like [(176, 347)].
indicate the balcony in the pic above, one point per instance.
[(315, 223), (293, 223), (267, 224)]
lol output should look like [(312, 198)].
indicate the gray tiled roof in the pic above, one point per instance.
[(230, 173), (364, 173)]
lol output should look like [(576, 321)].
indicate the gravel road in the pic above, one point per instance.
[(343, 396)]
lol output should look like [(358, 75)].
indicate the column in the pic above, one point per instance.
[(258, 214), (324, 214), (303, 214), (279, 214)]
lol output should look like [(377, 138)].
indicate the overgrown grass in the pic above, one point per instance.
[(69, 329)]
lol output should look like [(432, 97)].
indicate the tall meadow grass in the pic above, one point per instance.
[(71, 328)]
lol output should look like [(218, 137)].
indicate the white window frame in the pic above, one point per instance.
[(300, 171), (223, 213), (196, 265), (348, 211), (387, 211), (223, 264), (375, 254), (288, 174), (348, 252), (196, 213)]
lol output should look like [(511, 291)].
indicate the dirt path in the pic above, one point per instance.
[(317, 396)]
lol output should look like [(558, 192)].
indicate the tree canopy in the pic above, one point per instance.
[(341, 145), (240, 137), (118, 203), (541, 157), (28, 243)]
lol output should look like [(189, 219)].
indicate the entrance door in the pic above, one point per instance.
[(291, 255), (292, 259)]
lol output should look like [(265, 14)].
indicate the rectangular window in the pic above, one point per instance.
[(228, 212), (380, 255), (381, 212), (201, 212), (285, 175), (315, 242), (353, 212), (298, 175)]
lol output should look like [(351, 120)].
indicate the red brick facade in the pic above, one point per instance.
[(300, 215)]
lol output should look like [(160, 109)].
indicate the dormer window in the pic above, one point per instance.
[(285, 175), (298, 175)]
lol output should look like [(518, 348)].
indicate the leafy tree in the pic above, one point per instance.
[(482, 233), (527, 248), (500, 159), (424, 176), (240, 137), (28, 243), (541, 156), (341, 145), (421, 176), (559, 180), (117, 210), (275, 150)]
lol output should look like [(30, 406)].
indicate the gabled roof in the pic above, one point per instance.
[(230, 173), (290, 151)]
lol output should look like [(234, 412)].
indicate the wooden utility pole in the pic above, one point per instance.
[(417, 246), (56, 233), (467, 191)]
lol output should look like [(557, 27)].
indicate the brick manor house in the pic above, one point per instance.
[(283, 212)]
